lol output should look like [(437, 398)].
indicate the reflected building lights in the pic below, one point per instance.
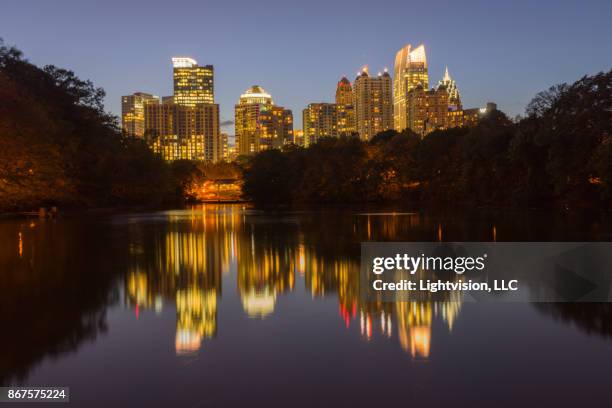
[(200, 245)]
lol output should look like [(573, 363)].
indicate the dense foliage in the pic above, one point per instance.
[(559, 154), (59, 147)]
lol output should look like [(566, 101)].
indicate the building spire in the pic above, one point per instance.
[(446, 75)]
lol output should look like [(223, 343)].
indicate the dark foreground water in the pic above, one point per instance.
[(225, 306)]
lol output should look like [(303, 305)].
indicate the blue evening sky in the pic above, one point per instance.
[(501, 51)]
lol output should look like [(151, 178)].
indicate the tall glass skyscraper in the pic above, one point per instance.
[(410, 70), (193, 84), (345, 105), (260, 124)]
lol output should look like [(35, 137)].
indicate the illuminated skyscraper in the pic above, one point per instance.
[(454, 100), (184, 132), (345, 108), (410, 70), (133, 113), (193, 84), (223, 147), (319, 120), (427, 110), (185, 125), (373, 104), (260, 124)]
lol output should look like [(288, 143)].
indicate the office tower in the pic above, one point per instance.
[(276, 127), (427, 109), (454, 100), (260, 124), (182, 126), (184, 132), (193, 84), (133, 113), (410, 70), (345, 108), (298, 137), (223, 154), (319, 120), (373, 104)]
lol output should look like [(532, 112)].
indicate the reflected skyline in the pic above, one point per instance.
[(189, 264), (220, 291)]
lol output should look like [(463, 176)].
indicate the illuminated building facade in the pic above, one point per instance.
[(433, 109), (454, 99), (410, 71), (184, 132), (260, 124), (345, 108), (223, 147), (469, 117), (133, 113), (298, 137), (427, 110), (193, 84), (319, 120), (373, 104), (185, 125)]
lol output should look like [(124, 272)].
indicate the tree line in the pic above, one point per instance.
[(58, 147), (559, 154)]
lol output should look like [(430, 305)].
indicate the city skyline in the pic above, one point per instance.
[(485, 55)]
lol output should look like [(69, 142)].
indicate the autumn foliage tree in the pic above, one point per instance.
[(59, 146), (560, 154)]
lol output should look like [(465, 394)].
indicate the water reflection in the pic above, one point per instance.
[(182, 262), (60, 277), (55, 288)]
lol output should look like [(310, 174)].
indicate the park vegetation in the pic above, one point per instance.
[(58, 147), (559, 154)]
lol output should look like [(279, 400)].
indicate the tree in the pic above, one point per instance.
[(61, 147)]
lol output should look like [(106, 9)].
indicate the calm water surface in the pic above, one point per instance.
[(227, 306)]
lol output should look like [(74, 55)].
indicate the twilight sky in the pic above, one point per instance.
[(502, 51)]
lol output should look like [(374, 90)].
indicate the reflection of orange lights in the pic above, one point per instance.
[(187, 342), (301, 260), (440, 232), (20, 246), (420, 338)]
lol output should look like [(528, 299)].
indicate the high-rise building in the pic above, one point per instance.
[(184, 132), (185, 125), (410, 70), (133, 113), (427, 110), (276, 127), (345, 108), (260, 124), (298, 137), (319, 120), (223, 147), (193, 84), (454, 100), (373, 104), (440, 108)]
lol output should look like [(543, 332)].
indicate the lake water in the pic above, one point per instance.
[(222, 305)]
